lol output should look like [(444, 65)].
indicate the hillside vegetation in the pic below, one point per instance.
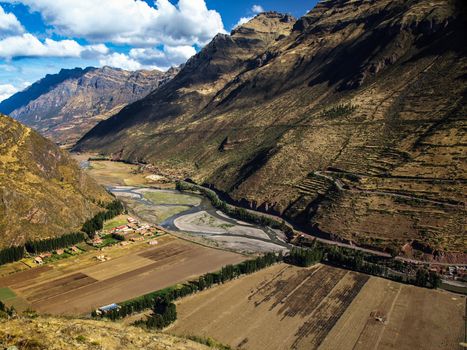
[(64, 333), (349, 121), (43, 193)]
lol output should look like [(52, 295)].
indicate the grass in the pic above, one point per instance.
[(115, 222), (162, 197), (164, 213), (6, 293)]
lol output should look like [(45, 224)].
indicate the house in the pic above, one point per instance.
[(45, 255), (59, 251), (38, 260), (120, 228), (153, 242), (97, 240), (131, 220), (75, 249), (107, 308)]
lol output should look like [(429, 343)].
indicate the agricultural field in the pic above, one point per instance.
[(286, 307), (80, 284)]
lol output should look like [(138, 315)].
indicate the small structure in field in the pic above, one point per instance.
[(38, 260), (59, 251), (153, 242), (45, 255), (107, 308), (75, 249), (97, 241), (131, 220), (102, 258)]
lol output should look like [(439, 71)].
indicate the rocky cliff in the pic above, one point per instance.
[(349, 121), (43, 193), (64, 106)]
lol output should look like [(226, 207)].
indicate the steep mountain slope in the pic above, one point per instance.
[(66, 105), (351, 124), (43, 193)]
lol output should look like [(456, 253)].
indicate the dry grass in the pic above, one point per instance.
[(285, 307)]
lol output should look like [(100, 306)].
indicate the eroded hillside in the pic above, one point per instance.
[(64, 106), (43, 193), (349, 121)]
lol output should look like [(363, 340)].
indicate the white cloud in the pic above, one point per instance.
[(131, 21), (162, 59), (9, 24), (242, 21), (6, 90), (120, 60), (257, 9), (27, 45)]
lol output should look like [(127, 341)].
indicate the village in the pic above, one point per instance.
[(129, 231)]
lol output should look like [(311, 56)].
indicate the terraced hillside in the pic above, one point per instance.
[(43, 193), (64, 106), (350, 121)]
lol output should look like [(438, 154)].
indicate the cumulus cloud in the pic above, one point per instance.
[(131, 22), (6, 90), (27, 45), (242, 20), (162, 59), (257, 9), (9, 24), (120, 60)]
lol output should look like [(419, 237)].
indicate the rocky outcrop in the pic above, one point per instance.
[(64, 106), (43, 193), (349, 121)]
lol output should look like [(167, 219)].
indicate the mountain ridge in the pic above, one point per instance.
[(64, 106)]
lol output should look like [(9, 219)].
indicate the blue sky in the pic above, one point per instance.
[(39, 37)]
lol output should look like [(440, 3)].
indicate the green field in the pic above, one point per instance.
[(115, 222), (167, 197), (6, 293)]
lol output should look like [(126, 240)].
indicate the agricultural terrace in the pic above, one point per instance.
[(321, 307), (81, 283)]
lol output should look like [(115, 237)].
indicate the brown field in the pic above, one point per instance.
[(82, 284), (286, 307)]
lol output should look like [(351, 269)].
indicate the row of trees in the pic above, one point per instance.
[(16, 253), (50, 244), (96, 223), (305, 257), (205, 281), (11, 254), (163, 314), (235, 212), (359, 261)]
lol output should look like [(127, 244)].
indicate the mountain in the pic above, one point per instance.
[(43, 193), (349, 121), (66, 105)]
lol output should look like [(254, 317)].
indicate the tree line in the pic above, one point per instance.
[(236, 212), (16, 253), (173, 293), (359, 261), (96, 223), (11, 254), (50, 244)]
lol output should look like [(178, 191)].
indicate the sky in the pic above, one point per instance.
[(39, 37)]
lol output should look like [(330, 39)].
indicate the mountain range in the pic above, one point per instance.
[(64, 106), (349, 121)]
